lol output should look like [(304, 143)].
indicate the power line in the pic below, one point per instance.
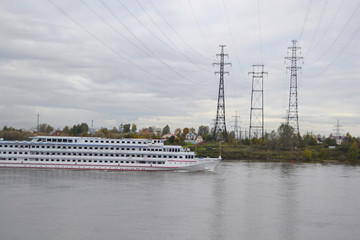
[(305, 20), (339, 53), (232, 38), (149, 52), (170, 41), (314, 36), (260, 38), (341, 32), (105, 44), (331, 23), (198, 25), (174, 30)]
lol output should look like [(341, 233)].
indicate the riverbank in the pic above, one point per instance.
[(231, 152)]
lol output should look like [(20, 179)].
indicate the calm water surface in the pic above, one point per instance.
[(240, 200)]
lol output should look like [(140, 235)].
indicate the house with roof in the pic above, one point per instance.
[(193, 138)]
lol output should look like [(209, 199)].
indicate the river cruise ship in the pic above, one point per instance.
[(101, 154)]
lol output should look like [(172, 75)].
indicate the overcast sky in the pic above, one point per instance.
[(149, 62)]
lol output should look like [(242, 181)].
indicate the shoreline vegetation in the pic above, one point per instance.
[(280, 146)]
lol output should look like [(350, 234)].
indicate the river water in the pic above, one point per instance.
[(240, 200)]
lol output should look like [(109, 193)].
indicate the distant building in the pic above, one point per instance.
[(169, 135), (193, 138), (339, 139)]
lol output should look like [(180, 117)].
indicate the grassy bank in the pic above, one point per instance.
[(257, 152)]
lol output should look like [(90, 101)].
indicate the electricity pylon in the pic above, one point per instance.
[(257, 102), (220, 124), (293, 117)]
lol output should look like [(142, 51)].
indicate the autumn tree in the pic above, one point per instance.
[(177, 132), (185, 131)]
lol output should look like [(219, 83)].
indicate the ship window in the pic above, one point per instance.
[(95, 160), (107, 141), (86, 141), (117, 141), (70, 140), (116, 155), (105, 161), (80, 147), (65, 140), (112, 141), (53, 140), (111, 161), (96, 141), (68, 160), (116, 161), (91, 141), (128, 142), (85, 147)]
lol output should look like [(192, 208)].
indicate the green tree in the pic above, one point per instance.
[(45, 128), (203, 131), (307, 154), (287, 137), (126, 128), (66, 130), (166, 130), (133, 128), (353, 152), (271, 141), (309, 140), (330, 141)]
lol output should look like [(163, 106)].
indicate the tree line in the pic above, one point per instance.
[(284, 139)]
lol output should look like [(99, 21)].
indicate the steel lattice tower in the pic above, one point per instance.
[(220, 124), (257, 102), (292, 117)]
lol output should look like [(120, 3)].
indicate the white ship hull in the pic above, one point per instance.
[(101, 154)]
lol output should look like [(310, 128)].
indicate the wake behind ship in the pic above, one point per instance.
[(101, 154)]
